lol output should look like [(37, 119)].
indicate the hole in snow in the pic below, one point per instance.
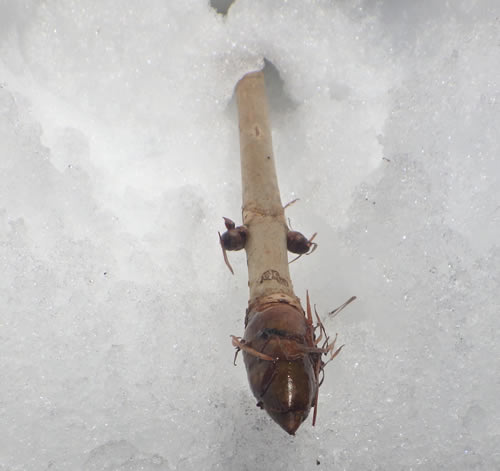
[(279, 100), (221, 6)]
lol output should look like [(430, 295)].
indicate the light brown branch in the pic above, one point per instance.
[(263, 213)]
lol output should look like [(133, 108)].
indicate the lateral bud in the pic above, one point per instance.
[(297, 243), (234, 238)]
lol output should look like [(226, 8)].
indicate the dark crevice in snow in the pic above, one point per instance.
[(221, 6), (279, 100)]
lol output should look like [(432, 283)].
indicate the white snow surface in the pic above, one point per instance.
[(119, 155)]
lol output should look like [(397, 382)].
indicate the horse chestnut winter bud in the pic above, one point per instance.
[(297, 243), (234, 238)]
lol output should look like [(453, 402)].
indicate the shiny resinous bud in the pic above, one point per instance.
[(297, 243), (235, 237)]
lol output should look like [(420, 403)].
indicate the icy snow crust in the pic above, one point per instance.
[(118, 158)]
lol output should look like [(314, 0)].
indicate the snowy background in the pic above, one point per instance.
[(119, 155)]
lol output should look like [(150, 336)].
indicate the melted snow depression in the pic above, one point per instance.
[(119, 155)]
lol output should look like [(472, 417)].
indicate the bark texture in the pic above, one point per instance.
[(263, 213)]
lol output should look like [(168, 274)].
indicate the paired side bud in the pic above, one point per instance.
[(297, 243), (234, 238)]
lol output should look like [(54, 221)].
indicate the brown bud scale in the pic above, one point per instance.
[(297, 243), (234, 239), (286, 386)]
